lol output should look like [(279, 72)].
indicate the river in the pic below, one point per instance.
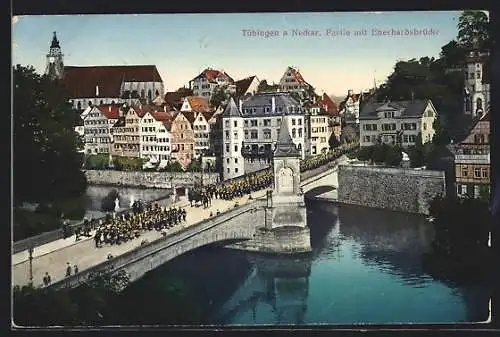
[(366, 267), (95, 194)]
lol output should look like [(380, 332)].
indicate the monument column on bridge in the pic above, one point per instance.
[(286, 229)]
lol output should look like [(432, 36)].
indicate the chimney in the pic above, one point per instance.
[(241, 105), (109, 108), (97, 91), (164, 108), (273, 104), (314, 99)]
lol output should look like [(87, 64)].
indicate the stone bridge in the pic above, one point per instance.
[(234, 225)]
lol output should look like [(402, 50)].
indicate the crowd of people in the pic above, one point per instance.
[(129, 225), (325, 158)]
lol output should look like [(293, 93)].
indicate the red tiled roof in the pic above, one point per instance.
[(81, 82), (297, 75), (111, 111), (161, 116), (198, 104), (330, 106), (141, 110), (211, 75)]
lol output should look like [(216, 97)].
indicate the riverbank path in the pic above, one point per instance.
[(53, 257)]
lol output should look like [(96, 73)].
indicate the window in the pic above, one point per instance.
[(227, 147), (235, 170), (293, 121), (300, 132), (366, 139), (300, 122), (246, 134), (425, 126), (236, 148), (412, 138), (472, 76), (477, 172), (227, 160), (299, 147), (228, 170), (478, 74), (236, 160), (253, 122), (235, 134), (267, 122), (226, 124), (235, 124), (245, 123), (267, 134), (479, 104), (484, 173), (253, 134), (465, 171)]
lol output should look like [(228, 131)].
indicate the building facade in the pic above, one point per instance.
[(209, 80), (182, 138), (350, 107), (472, 161), (232, 139), (55, 61), (152, 149), (202, 133), (318, 135), (97, 126), (127, 135), (397, 122)]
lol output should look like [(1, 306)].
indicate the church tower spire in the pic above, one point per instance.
[(55, 64)]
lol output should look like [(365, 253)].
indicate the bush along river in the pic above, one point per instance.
[(366, 267)]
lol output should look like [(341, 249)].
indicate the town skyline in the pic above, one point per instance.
[(174, 37)]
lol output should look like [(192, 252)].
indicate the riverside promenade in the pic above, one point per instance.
[(54, 256)]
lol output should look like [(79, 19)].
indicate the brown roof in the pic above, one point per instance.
[(81, 82), (173, 98), (211, 75), (142, 109), (168, 124), (242, 85), (161, 116), (190, 116), (198, 104)]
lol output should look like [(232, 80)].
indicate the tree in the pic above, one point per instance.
[(333, 142), (47, 165), (108, 202), (219, 96), (452, 54), (474, 25), (264, 86), (97, 161), (185, 91), (393, 156)]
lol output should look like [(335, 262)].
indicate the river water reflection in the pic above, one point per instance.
[(365, 268)]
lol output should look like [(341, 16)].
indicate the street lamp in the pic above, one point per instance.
[(30, 257)]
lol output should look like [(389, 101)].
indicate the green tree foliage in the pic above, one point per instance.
[(127, 164), (349, 134), (219, 96), (46, 163), (97, 161), (195, 165), (390, 155), (108, 202), (334, 141), (473, 25), (452, 55), (460, 239), (393, 156), (173, 166), (265, 87)]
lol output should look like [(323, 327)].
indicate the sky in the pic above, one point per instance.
[(182, 45)]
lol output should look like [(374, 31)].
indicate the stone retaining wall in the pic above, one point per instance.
[(405, 190), (147, 179)]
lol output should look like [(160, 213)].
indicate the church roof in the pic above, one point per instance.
[(81, 82), (231, 110), (285, 147)]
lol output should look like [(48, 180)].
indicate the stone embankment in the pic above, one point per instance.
[(406, 190), (148, 179)]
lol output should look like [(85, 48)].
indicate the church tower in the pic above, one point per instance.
[(232, 133), (55, 65), (476, 88)]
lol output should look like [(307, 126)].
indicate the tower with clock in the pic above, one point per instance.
[(55, 64)]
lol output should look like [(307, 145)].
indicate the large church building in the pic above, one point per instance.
[(98, 85)]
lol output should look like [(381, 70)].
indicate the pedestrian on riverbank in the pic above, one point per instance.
[(76, 269), (46, 279), (68, 269)]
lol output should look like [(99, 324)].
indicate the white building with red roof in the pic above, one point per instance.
[(155, 139), (209, 80), (292, 81), (97, 124), (349, 108)]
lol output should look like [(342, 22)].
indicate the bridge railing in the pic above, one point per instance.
[(140, 252), (46, 237)]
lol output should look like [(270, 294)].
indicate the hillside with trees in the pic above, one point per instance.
[(440, 79)]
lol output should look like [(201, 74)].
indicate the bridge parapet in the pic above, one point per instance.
[(164, 249)]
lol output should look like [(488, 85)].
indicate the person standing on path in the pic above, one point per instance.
[(76, 269), (68, 269)]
